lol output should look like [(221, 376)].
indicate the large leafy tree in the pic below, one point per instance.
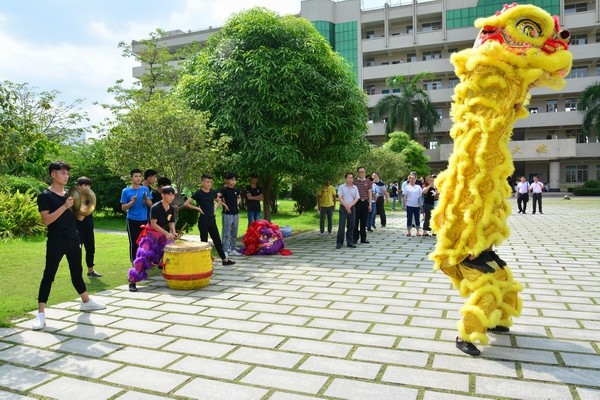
[(410, 110), (589, 106), (390, 165), (412, 152), (32, 125), (289, 102)]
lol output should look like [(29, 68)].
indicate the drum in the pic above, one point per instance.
[(187, 265)]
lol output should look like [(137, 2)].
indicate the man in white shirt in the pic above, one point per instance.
[(536, 189), (522, 195), (348, 195)]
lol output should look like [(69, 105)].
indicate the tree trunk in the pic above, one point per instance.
[(267, 189)]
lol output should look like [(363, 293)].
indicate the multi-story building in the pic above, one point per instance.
[(404, 39)]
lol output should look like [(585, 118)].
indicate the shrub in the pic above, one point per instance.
[(305, 199), (583, 191), (19, 215), (10, 184), (592, 184)]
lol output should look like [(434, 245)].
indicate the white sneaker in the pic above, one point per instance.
[(235, 253), (39, 322), (91, 305)]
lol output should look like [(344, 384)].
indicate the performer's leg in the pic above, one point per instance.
[(75, 268)]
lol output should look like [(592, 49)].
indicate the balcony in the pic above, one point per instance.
[(440, 66), (550, 119)]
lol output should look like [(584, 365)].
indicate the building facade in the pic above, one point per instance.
[(416, 36)]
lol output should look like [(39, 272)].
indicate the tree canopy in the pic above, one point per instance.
[(410, 110), (589, 106), (289, 102), (412, 152), (390, 165)]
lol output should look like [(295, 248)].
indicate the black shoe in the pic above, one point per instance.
[(541, 212), (383, 226), (338, 246), (365, 241), (501, 263), (480, 263), (524, 212), (467, 347), (355, 242), (132, 287), (352, 245), (369, 230), (94, 274), (499, 329), (519, 212), (228, 262)]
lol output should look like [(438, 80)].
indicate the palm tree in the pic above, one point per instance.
[(408, 108), (589, 106)]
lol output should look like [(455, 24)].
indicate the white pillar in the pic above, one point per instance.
[(554, 178)]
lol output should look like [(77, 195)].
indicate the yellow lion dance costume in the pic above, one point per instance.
[(518, 48)]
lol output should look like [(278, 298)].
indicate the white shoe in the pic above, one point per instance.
[(39, 322), (235, 253), (91, 305)]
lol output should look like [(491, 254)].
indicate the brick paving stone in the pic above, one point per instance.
[(251, 339), (554, 344), (290, 396), (475, 365), (588, 394), (219, 303), (136, 303), (343, 325), (137, 313), (143, 357), (18, 378), (82, 366), (207, 389), (332, 366), (316, 347), (429, 395), (295, 331), (581, 360), (8, 331), (272, 308), (195, 333), (287, 380), (576, 334), (517, 389), (140, 325), (184, 319), (386, 356), (362, 339), (426, 378), (237, 325), (147, 379), (27, 356), (295, 294), (357, 390), (69, 388), (265, 357), (86, 347), (5, 395), (281, 319), (548, 373), (37, 339), (208, 367), (264, 298), (405, 331), (200, 348), (225, 313), (319, 312), (133, 395), (180, 308), (328, 290), (140, 339), (93, 319), (371, 317), (91, 332)]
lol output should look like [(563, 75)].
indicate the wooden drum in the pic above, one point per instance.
[(187, 265)]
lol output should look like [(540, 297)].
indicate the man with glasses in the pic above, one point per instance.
[(363, 206)]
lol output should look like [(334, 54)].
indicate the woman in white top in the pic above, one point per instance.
[(411, 201)]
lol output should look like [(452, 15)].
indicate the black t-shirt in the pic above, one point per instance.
[(156, 196), (65, 225), (430, 196), (163, 217), (253, 205), (394, 191), (230, 196), (86, 224), (206, 201)]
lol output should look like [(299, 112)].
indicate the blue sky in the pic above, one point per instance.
[(71, 45)]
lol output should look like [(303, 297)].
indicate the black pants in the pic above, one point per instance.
[(208, 226), (346, 223), (56, 248), (134, 228), (326, 212), (361, 209), (537, 198), (86, 237), (380, 203), (522, 199), (427, 208)]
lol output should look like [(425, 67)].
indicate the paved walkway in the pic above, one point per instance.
[(366, 323)]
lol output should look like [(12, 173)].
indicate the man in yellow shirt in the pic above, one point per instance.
[(326, 205)]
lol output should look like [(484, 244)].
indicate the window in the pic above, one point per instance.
[(433, 85), (533, 110), (396, 34), (434, 144), (576, 134), (385, 91), (450, 51), (385, 63), (411, 57), (452, 82), (370, 62), (575, 8), (439, 111), (578, 72), (396, 90), (432, 55), (396, 62), (551, 106), (370, 89), (551, 135), (409, 29), (571, 105), (598, 69), (370, 35), (579, 39), (431, 26), (577, 173)]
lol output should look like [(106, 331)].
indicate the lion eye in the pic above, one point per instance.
[(529, 28)]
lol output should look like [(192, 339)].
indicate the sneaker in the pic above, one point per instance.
[(499, 329), (132, 287), (467, 347), (235, 253), (228, 262), (480, 263), (501, 263), (91, 305), (39, 322), (94, 274)]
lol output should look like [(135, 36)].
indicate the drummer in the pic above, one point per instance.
[(162, 214)]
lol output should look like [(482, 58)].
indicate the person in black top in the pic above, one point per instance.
[(254, 196), (157, 193), (231, 214), (55, 205), (207, 200), (85, 228), (430, 194), (162, 214)]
